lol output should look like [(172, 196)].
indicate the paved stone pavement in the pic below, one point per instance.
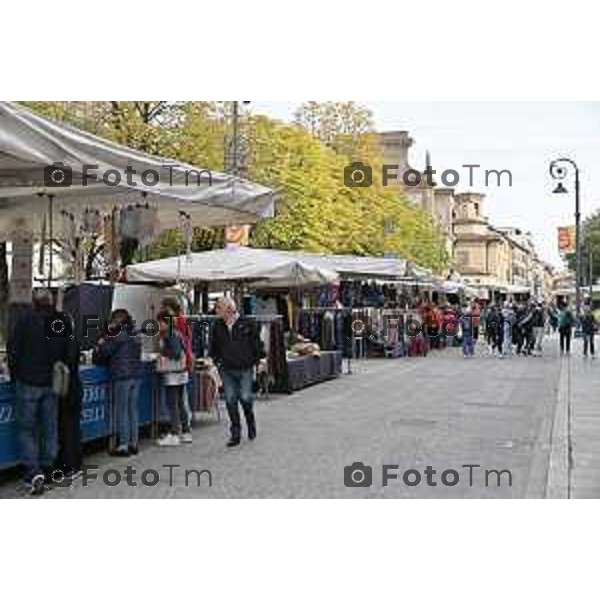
[(441, 411), (579, 405)]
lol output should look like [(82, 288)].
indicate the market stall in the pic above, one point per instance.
[(256, 269), (62, 184)]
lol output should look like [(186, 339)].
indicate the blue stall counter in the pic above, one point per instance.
[(9, 449), (95, 409)]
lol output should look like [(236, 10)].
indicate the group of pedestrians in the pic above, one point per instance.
[(515, 329), (235, 348), (519, 329), (45, 372)]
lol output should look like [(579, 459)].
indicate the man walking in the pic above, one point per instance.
[(236, 349), (537, 322), (32, 354), (566, 322), (468, 340), (508, 321), (588, 328)]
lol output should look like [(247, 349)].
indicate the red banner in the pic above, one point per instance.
[(566, 240)]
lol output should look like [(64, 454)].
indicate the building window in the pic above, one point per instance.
[(476, 204)]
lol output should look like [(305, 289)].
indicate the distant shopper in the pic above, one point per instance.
[(588, 328), (33, 357), (493, 330), (172, 365), (537, 323), (120, 349), (566, 322), (467, 327), (236, 349), (508, 321), (476, 316)]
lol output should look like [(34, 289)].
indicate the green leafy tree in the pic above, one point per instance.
[(303, 162), (590, 242), (317, 212)]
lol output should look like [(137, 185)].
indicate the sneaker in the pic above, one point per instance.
[(186, 438), (36, 487), (169, 440), (120, 452), (233, 442)]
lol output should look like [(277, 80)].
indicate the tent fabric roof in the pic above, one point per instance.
[(29, 143), (243, 263), (266, 268)]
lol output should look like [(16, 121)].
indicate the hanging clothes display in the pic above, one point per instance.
[(330, 328), (92, 222)]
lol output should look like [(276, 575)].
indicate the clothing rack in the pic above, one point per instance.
[(339, 310)]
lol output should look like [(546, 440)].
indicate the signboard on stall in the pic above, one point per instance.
[(566, 240), (9, 450), (95, 404)]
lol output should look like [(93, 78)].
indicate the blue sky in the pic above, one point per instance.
[(520, 136)]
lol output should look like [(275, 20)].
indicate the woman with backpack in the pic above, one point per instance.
[(172, 365), (566, 321)]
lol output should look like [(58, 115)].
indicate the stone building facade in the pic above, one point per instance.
[(437, 201), (486, 257)]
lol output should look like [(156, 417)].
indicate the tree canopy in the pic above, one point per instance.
[(302, 161)]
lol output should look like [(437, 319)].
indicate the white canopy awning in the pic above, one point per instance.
[(350, 266), (262, 267), (29, 144), (243, 263)]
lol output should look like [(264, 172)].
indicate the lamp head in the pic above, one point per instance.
[(560, 189)]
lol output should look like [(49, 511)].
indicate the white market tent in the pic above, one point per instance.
[(457, 287), (276, 267), (29, 144), (263, 268)]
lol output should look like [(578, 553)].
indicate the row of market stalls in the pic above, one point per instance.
[(59, 184), (314, 309)]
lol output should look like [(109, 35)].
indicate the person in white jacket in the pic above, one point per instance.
[(508, 320)]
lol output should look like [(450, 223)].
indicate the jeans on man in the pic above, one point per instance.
[(37, 416), (125, 398), (237, 384)]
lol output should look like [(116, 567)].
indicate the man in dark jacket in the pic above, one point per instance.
[(34, 346), (588, 328), (236, 349), (120, 349), (537, 325)]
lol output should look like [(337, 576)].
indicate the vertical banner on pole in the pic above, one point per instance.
[(566, 240)]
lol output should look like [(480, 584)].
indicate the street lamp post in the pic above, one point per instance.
[(559, 172), (591, 272)]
